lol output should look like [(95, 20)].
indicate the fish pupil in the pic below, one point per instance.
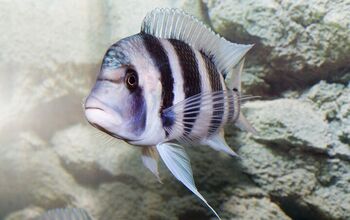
[(131, 79)]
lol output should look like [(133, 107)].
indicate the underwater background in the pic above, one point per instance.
[(298, 167)]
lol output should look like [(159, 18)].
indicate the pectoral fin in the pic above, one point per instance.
[(183, 113), (177, 161), (150, 160)]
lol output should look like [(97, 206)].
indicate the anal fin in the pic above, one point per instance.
[(150, 160), (177, 161), (244, 124), (217, 142)]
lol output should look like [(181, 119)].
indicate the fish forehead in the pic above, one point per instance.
[(124, 52), (131, 52)]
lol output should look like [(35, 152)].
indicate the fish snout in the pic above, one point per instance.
[(98, 113)]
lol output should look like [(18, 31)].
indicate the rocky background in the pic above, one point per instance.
[(298, 167)]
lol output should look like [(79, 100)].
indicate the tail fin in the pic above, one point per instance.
[(233, 81)]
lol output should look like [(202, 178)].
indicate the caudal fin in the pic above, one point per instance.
[(233, 82)]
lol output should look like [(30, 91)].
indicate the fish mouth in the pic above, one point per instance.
[(104, 118), (93, 108)]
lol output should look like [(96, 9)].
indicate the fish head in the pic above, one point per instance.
[(123, 99)]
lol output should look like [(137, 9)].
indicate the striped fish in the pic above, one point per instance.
[(176, 82)]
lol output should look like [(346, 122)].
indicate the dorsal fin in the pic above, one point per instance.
[(176, 24)]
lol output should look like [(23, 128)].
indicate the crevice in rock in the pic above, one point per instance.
[(298, 210), (342, 76), (284, 81), (282, 146)]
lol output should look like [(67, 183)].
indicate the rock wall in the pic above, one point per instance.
[(298, 167)]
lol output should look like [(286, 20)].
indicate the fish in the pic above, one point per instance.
[(65, 214), (174, 84)]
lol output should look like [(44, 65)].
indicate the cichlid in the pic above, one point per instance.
[(174, 82), (65, 214)]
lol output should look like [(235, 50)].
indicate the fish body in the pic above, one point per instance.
[(175, 81)]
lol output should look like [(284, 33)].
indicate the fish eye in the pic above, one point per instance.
[(131, 79)]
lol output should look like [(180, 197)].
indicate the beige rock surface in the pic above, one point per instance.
[(296, 42), (31, 174)]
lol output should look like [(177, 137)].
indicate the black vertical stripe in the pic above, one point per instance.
[(215, 84), (231, 107), (214, 75), (161, 61), (192, 80), (138, 111), (235, 105)]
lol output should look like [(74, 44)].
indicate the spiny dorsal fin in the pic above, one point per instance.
[(176, 24)]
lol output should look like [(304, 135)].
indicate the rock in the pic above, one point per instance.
[(298, 157), (30, 213), (118, 199), (333, 100), (297, 42), (196, 8), (56, 56), (120, 181), (91, 156), (240, 208), (245, 199), (114, 174), (303, 184), (289, 122), (31, 175)]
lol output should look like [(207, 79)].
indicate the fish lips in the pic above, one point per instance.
[(105, 118)]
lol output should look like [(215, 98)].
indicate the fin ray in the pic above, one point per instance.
[(209, 103)]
